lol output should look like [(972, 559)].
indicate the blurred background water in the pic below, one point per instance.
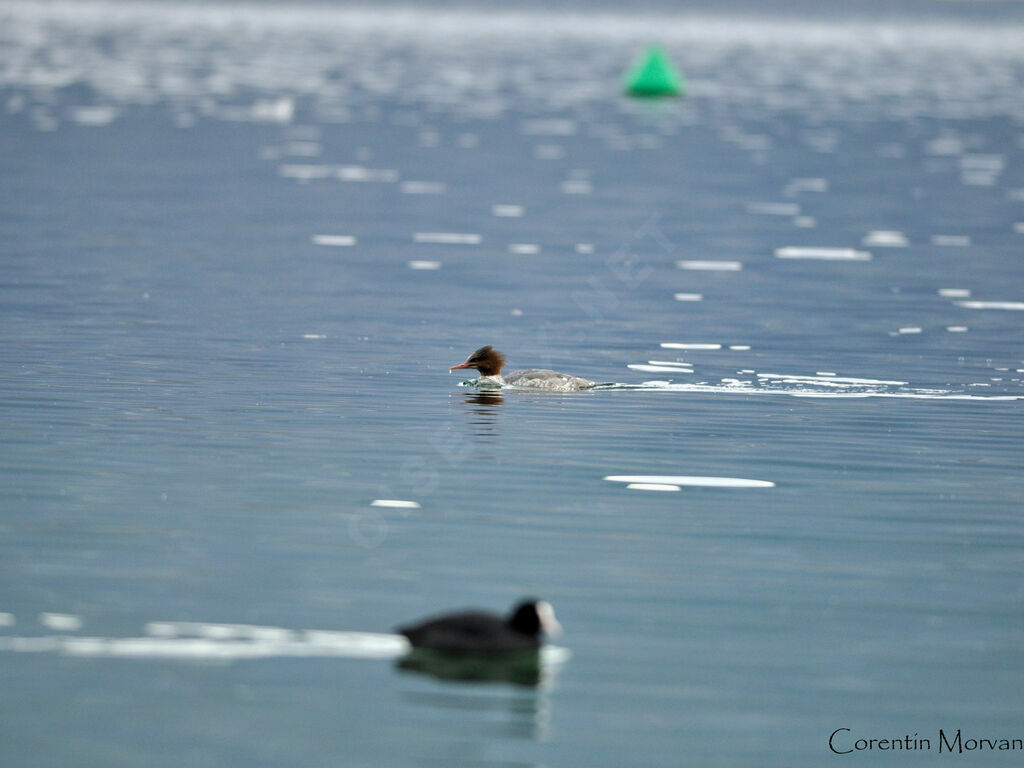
[(242, 244)]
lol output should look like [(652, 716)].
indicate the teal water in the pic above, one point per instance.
[(221, 340)]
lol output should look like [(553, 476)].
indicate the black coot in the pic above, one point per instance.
[(484, 632)]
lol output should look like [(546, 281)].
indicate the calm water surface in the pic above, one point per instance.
[(241, 248)]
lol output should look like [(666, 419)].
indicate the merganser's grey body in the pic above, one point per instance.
[(539, 378), (489, 362)]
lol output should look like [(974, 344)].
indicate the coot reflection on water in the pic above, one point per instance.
[(522, 668), (482, 632)]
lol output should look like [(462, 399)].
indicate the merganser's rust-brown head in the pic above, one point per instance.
[(487, 360)]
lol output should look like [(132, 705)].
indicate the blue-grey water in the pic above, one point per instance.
[(240, 247)]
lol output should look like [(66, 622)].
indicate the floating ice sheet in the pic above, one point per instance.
[(395, 503), (63, 622), (692, 480), (448, 238), (689, 345), (198, 641), (655, 368), (422, 187), (524, 249), (334, 240), (710, 266), (828, 254), (1007, 305), (356, 173), (885, 238), (95, 116), (359, 173)]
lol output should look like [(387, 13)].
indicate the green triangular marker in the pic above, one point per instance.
[(654, 75)]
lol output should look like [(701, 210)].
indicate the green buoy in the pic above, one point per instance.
[(653, 75)]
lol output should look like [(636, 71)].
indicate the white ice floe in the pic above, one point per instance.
[(359, 173), (654, 368), (692, 480), (1008, 305), (448, 238), (62, 622), (199, 641), (395, 503), (885, 238), (689, 345), (827, 254), (422, 188), (334, 240), (709, 265), (524, 249), (94, 116), (507, 211)]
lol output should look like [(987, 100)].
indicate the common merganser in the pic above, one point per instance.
[(485, 632), (489, 362)]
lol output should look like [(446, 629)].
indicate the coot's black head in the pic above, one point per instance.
[(487, 360), (532, 617)]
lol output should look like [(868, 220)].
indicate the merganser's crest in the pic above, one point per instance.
[(489, 362)]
